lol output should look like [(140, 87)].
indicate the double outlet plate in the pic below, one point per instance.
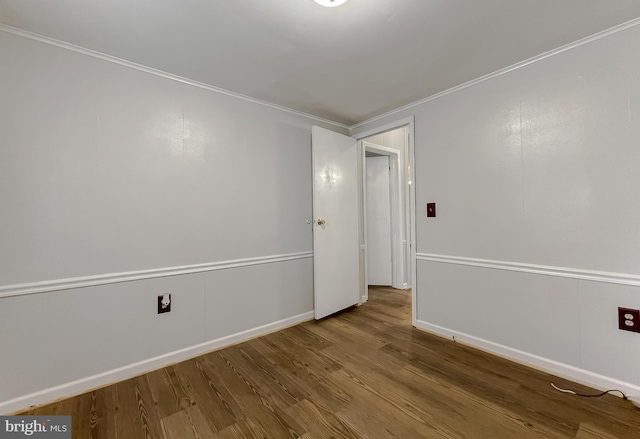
[(629, 319)]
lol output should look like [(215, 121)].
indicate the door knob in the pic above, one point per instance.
[(321, 222)]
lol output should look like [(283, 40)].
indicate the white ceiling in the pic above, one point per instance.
[(346, 64)]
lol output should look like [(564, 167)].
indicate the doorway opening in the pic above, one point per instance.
[(387, 219), (382, 204)]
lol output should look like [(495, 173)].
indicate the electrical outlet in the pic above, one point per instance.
[(629, 319), (164, 303)]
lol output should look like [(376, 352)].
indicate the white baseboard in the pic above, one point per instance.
[(572, 373), (122, 373)]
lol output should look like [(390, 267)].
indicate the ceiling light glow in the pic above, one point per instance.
[(330, 3)]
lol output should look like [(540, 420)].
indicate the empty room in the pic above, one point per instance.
[(320, 219)]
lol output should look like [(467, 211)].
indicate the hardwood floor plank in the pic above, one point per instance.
[(369, 323), (462, 416), (321, 423), (243, 429), (206, 395), (279, 390), (339, 331), (215, 373), (376, 418), (306, 339), (253, 401), (189, 423), (472, 415), (167, 392), (587, 431), (101, 415), (311, 371), (295, 352), (135, 416)]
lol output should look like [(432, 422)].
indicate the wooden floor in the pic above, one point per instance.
[(364, 373)]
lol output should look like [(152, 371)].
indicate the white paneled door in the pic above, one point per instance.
[(335, 228)]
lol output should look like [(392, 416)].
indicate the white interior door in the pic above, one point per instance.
[(335, 229), (378, 204)]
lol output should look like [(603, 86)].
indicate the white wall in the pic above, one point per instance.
[(378, 221), (105, 170), (536, 175)]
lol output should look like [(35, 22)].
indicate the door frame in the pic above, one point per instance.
[(408, 122), (396, 216)]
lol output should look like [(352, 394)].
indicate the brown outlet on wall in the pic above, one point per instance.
[(629, 319)]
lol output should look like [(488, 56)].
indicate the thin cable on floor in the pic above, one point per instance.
[(588, 396)]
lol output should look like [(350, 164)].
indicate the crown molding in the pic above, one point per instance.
[(72, 47), (163, 74), (591, 38)]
